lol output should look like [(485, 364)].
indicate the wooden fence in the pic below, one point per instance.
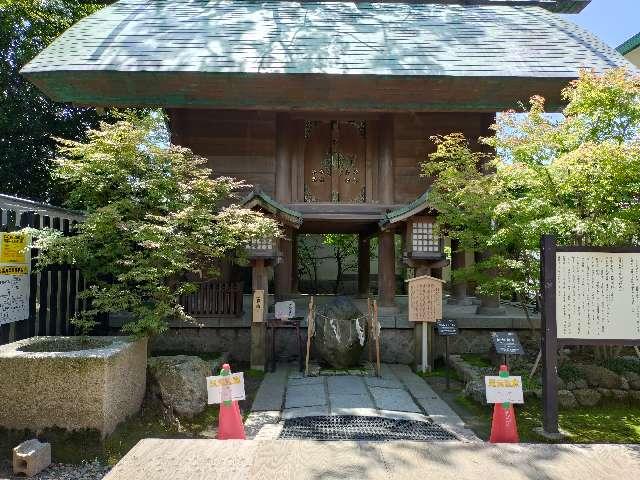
[(53, 298), (215, 299)]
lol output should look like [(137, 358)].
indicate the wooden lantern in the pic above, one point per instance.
[(423, 241)]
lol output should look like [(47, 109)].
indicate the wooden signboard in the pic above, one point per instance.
[(590, 296), (425, 299), (425, 306)]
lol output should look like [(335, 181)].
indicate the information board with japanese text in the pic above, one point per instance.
[(15, 266), (598, 295)]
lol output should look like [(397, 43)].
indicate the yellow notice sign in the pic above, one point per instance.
[(14, 270), (13, 247)]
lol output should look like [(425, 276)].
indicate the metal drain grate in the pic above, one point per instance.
[(347, 427)]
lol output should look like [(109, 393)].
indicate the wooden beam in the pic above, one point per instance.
[(282, 92)]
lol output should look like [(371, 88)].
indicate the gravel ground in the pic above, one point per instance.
[(59, 471)]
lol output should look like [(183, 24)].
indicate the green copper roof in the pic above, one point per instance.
[(252, 37), (261, 199), (629, 45), (403, 213)]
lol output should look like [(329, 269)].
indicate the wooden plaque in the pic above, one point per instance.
[(425, 299), (258, 306)]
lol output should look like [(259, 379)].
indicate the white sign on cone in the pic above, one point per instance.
[(225, 387), (504, 389)]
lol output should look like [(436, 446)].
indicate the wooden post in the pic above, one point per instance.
[(311, 330), (386, 175), (260, 281), (294, 262), (377, 333), (283, 158), (386, 269), (549, 337), (364, 260), (283, 271)]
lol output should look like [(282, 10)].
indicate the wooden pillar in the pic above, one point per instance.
[(386, 179), (459, 288), (364, 262), (283, 158), (386, 269), (283, 270), (294, 262), (260, 281)]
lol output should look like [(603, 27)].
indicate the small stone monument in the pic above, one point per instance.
[(31, 457)]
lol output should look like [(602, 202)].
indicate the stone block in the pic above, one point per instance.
[(566, 399), (71, 382), (31, 457), (180, 382), (587, 397)]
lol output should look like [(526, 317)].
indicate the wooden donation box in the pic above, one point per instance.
[(425, 306)]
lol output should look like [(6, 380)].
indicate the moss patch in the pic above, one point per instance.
[(613, 423), (476, 360), (66, 344)]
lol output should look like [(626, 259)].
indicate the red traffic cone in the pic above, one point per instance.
[(503, 426), (230, 425)]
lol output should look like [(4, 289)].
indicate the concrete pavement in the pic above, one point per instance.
[(167, 459), (397, 393)]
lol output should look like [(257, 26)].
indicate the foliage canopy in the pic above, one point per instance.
[(157, 223), (28, 119), (577, 178)]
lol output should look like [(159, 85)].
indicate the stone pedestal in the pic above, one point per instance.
[(71, 382), (31, 457)]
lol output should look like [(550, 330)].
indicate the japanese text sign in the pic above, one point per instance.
[(225, 387), (504, 389), (285, 310)]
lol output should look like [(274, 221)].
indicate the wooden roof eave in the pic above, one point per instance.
[(404, 213), (287, 216), (292, 92)]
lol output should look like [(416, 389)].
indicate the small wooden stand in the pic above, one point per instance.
[(425, 306)]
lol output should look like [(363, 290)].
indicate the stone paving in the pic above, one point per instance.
[(397, 393)]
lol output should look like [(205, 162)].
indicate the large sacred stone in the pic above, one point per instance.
[(341, 331)]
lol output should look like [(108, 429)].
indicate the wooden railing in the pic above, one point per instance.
[(215, 298)]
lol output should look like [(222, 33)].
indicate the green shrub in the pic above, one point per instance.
[(569, 372), (622, 364)]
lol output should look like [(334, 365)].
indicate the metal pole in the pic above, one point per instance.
[(446, 355), (549, 333)]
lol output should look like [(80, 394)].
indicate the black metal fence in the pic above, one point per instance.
[(53, 298)]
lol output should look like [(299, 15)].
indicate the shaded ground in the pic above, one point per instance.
[(609, 423)]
